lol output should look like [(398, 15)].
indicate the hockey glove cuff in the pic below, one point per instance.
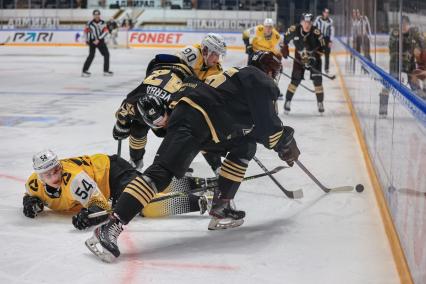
[(120, 131)]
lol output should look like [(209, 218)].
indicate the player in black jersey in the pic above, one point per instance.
[(164, 77), (229, 113), (309, 45)]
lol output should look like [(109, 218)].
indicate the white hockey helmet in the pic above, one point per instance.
[(44, 161), (268, 22), (214, 43)]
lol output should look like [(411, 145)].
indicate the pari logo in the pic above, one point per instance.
[(33, 37)]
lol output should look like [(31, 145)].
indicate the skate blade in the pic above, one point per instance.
[(286, 112), (97, 249), (226, 223)]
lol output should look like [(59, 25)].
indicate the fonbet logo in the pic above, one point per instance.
[(155, 38)]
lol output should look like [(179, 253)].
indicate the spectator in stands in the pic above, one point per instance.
[(361, 34), (412, 45)]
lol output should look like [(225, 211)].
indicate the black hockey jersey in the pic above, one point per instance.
[(311, 42), (162, 80), (235, 103)]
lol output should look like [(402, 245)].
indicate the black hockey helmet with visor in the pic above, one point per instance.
[(152, 109)]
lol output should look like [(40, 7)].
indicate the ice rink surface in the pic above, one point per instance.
[(334, 238)]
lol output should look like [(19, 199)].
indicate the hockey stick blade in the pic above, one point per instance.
[(320, 185), (303, 86), (195, 190), (297, 194)]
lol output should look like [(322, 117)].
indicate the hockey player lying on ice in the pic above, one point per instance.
[(230, 112), (86, 184)]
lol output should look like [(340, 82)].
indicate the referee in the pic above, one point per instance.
[(325, 24), (96, 30)]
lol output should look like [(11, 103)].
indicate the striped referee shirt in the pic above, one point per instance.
[(96, 30), (325, 26)]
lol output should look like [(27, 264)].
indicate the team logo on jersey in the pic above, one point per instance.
[(33, 184), (296, 38), (66, 178)]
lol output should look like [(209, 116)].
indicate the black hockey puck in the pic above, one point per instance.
[(359, 188)]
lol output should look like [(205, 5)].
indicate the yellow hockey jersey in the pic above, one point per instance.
[(85, 182), (259, 42), (193, 57)]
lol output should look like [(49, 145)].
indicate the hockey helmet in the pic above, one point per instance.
[(308, 17), (44, 161), (268, 22), (213, 43), (268, 62), (152, 109)]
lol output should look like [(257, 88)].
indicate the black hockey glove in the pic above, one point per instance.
[(82, 221), (286, 147), (32, 206), (120, 132), (249, 49)]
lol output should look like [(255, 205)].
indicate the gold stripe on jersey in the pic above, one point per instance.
[(206, 117), (232, 171), (235, 166), (140, 190), (292, 88), (137, 143), (274, 138), (319, 90)]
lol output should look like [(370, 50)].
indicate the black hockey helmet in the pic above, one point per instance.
[(268, 62), (308, 17), (152, 109)]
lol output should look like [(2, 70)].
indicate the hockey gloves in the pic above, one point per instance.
[(82, 221), (32, 206), (286, 147), (249, 49), (120, 131), (285, 51)]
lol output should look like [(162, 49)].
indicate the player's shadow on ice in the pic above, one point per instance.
[(238, 240)]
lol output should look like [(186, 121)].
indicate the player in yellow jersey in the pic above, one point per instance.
[(86, 184), (262, 38), (205, 58)]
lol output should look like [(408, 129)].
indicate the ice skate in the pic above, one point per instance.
[(224, 216), (103, 243)]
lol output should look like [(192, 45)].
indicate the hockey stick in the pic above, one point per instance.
[(307, 88), (325, 189), (195, 190), (290, 194), (313, 69)]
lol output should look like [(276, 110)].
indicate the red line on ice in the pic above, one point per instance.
[(12, 178), (133, 264)]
